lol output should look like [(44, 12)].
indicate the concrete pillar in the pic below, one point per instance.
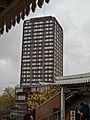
[(62, 103)]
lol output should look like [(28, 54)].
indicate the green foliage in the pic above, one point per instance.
[(7, 99)]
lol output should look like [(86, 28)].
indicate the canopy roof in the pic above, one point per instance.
[(73, 79), (11, 11)]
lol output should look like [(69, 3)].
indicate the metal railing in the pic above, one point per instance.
[(53, 116)]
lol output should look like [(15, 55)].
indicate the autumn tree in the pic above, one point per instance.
[(37, 98)]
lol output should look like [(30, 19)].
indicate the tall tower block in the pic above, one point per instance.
[(42, 51)]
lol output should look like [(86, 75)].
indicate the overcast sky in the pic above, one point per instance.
[(74, 17)]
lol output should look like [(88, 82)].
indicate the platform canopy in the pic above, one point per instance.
[(73, 79), (11, 11)]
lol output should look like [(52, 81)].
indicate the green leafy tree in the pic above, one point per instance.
[(7, 98)]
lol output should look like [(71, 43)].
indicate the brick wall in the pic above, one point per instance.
[(48, 107)]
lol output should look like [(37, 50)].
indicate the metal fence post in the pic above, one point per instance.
[(62, 103)]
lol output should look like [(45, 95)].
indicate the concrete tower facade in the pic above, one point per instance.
[(42, 51)]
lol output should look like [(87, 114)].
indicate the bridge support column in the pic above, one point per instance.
[(62, 103)]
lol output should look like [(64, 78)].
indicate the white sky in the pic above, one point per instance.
[(74, 17)]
